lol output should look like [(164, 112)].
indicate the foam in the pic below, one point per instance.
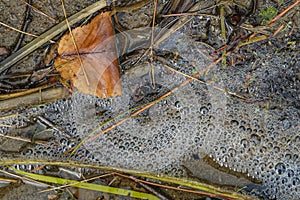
[(244, 137)]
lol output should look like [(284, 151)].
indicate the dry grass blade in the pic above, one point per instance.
[(12, 28), (72, 184), (152, 41), (39, 11), (22, 93)]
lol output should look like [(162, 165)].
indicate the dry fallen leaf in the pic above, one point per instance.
[(96, 47)]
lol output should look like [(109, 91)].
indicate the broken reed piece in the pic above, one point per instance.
[(96, 47)]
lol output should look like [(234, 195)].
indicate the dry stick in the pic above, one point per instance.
[(23, 178), (154, 102), (130, 8), (22, 93), (48, 123), (48, 35), (278, 30), (152, 42), (39, 11), (170, 187), (39, 97), (74, 43), (23, 139), (25, 25), (152, 190), (190, 14)]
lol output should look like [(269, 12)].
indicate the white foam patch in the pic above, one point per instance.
[(195, 118)]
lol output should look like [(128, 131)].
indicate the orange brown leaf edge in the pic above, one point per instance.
[(96, 47)]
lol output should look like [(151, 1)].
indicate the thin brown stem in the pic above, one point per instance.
[(39, 11)]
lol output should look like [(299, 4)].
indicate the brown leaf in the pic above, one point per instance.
[(96, 46)]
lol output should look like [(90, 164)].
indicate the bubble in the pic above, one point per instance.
[(255, 139), (234, 123), (204, 110), (244, 143), (290, 173), (232, 152), (295, 181), (280, 168)]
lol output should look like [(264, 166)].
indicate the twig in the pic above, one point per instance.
[(51, 125), (278, 30), (153, 191), (23, 178), (39, 11), (38, 97), (22, 93), (22, 139), (152, 42), (25, 25), (170, 187)]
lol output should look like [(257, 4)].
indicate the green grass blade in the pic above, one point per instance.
[(89, 186)]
